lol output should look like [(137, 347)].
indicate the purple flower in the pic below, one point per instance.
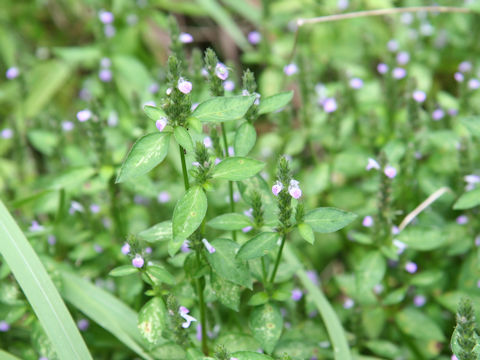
[(348, 303), (75, 206), (395, 230), (83, 324), (229, 85), (477, 240), (109, 30), (419, 300), (4, 326), (185, 247), (208, 246), (161, 123), (290, 69), (462, 220), (163, 197), (84, 115), (454, 357), (390, 171), (207, 142), (458, 76), (153, 88), (12, 73), (411, 267), (399, 73), (35, 226), (372, 164), (51, 239), (105, 62), (419, 96), (105, 75), (7, 133), (185, 38), (246, 229), (294, 190), (98, 249), (382, 68), (342, 5), (403, 58), (221, 71), (106, 17), (148, 250), (138, 261), (438, 114), (231, 151), (452, 112), (472, 179), (183, 311), (378, 289), (276, 188), (296, 294), (217, 161), (184, 86), (473, 84), (67, 126), (356, 83), (465, 66), (401, 246), (367, 221), (330, 105), (254, 37), (199, 332), (94, 208), (392, 45), (406, 18)]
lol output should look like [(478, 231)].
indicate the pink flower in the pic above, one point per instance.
[(465, 66), (247, 229), (105, 75), (84, 115), (411, 267), (290, 69), (403, 57), (12, 73), (296, 294), (382, 68), (419, 96), (390, 171), (276, 188), (125, 249), (372, 164), (392, 45), (367, 221), (7, 133), (138, 261), (294, 190), (183, 311), (106, 17), (207, 142), (221, 71), (458, 76), (184, 86), (163, 197), (330, 105), (473, 84), (254, 37), (399, 73), (208, 246), (438, 114), (348, 303), (185, 38), (356, 83), (161, 123), (229, 85)]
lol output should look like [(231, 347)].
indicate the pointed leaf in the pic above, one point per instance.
[(232, 221), (152, 320), (416, 324), (159, 232), (274, 102), (306, 232), (183, 138), (245, 138), (222, 108), (327, 220), (154, 112), (160, 274), (266, 323), (226, 291), (369, 272), (468, 200), (237, 168), (123, 270), (146, 153), (258, 246), (423, 238)]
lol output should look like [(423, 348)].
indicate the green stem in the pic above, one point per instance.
[(184, 167), (277, 262), (264, 271), (201, 301), (230, 183)]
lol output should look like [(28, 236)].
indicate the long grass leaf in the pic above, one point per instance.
[(39, 290), (7, 356), (337, 335)]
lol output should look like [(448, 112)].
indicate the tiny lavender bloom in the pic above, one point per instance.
[(330, 105), (67, 126), (106, 17), (184, 86), (51, 239), (419, 300), (148, 250), (348, 303), (392, 45), (35, 226), (221, 71), (83, 324), (390, 171), (372, 164), (356, 83), (207, 142), (75, 206), (163, 197), (367, 221), (12, 73), (290, 69), (294, 190), (185, 38), (465, 66), (382, 68), (399, 73), (94, 208), (161, 123), (183, 311), (246, 229), (254, 37), (105, 75), (403, 58), (98, 249), (462, 220), (7, 133), (84, 115), (438, 114), (138, 261), (185, 247), (419, 96), (208, 246), (342, 4), (109, 30), (296, 294), (395, 230), (411, 267), (401, 246), (473, 84), (458, 76), (4, 326), (229, 85), (276, 188), (105, 62), (231, 151)]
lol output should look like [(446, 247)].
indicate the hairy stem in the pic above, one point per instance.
[(277, 261), (230, 183), (184, 168), (201, 300)]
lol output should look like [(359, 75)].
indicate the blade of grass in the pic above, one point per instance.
[(334, 327), (248, 11), (105, 309), (7, 356), (39, 290)]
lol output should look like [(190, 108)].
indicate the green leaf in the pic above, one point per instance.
[(131, 77), (145, 154), (369, 272), (222, 108), (472, 123), (226, 291), (153, 112), (159, 232), (395, 296), (70, 179), (187, 216), (160, 274), (44, 141), (422, 238), (44, 81), (306, 232), (416, 324), (123, 270), (274, 102), (237, 168), (266, 323), (225, 264), (245, 138), (7, 356), (259, 298), (250, 355), (468, 200), (183, 138), (327, 220), (40, 290), (258, 246), (231, 221), (152, 319), (105, 309)]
